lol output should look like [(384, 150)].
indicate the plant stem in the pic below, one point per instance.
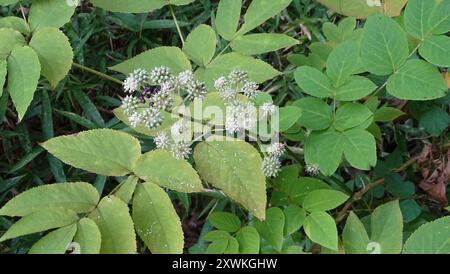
[(176, 23), (98, 73), (360, 194)]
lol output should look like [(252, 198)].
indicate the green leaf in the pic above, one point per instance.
[(225, 221), (410, 210), (436, 50), (8, 2), (215, 235), (387, 227), (287, 117), (249, 241), (9, 39), (88, 236), (260, 43), (3, 71), (260, 11), (136, 6), (200, 44), (384, 46), (15, 23), (316, 114), (356, 240), (355, 8), (40, 221), (23, 75), (272, 228), (313, 82), (295, 218), (354, 89), (300, 188), (221, 164), (435, 120), (360, 149), (55, 242), (342, 62), (79, 197), (50, 13), (439, 19), (321, 228), (161, 168), (126, 189), (217, 247), (324, 149), (92, 151), (156, 220), (417, 17), (171, 57), (233, 247), (115, 225), (430, 238), (54, 52), (227, 18), (417, 80), (261, 98), (387, 114), (324, 199), (258, 70), (351, 115)]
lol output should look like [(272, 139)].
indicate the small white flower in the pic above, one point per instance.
[(140, 75), (268, 109), (130, 85), (312, 169), (136, 119), (228, 94), (276, 149), (162, 100), (129, 105), (240, 117), (162, 141), (135, 80), (152, 118), (250, 89), (221, 84), (238, 76), (271, 166), (196, 90), (181, 150), (161, 75), (185, 78)]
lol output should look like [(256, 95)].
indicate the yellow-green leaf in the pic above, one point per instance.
[(161, 168), (24, 71), (156, 220), (88, 236), (40, 221), (54, 52), (55, 242), (79, 197), (116, 226), (235, 167), (102, 151)]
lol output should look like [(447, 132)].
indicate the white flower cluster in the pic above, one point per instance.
[(237, 82), (179, 147), (149, 94), (240, 115), (271, 164), (312, 170)]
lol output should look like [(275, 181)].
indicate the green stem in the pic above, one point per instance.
[(98, 73), (176, 24)]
